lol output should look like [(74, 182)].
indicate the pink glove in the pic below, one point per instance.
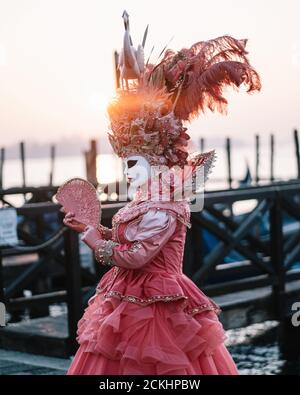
[(91, 237)]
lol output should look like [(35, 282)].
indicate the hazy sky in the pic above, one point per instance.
[(56, 73)]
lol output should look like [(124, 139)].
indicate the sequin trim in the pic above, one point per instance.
[(135, 247), (143, 302), (212, 306), (133, 209), (104, 253), (204, 307), (163, 298)]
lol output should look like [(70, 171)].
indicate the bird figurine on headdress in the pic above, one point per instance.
[(131, 61)]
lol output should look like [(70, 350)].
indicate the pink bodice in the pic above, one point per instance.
[(151, 269), (170, 257)]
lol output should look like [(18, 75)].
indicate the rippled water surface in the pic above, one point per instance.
[(256, 352)]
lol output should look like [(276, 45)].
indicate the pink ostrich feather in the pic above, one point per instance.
[(198, 76)]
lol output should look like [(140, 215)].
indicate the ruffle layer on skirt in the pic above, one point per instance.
[(120, 337)]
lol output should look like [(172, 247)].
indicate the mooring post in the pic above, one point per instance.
[(91, 163), (22, 154), (2, 159), (52, 160), (73, 278), (289, 343), (297, 150), (277, 258), (257, 159), (228, 152), (272, 145), (2, 296)]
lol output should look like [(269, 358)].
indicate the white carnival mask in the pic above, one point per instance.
[(137, 172)]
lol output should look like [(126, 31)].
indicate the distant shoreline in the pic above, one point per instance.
[(75, 146)]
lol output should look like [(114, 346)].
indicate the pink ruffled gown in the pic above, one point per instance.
[(147, 317)]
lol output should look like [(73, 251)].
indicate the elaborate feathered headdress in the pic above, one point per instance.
[(154, 100)]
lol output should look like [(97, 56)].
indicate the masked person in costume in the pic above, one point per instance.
[(147, 316)]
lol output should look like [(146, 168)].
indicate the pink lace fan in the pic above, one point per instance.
[(80, 197)]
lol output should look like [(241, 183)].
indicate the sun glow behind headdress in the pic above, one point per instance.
[(148, 113)]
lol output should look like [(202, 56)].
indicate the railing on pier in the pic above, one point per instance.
[(53, 254), (269, 254), (261, 252)]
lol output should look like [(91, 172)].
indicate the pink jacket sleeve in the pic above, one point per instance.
[(148, 237)]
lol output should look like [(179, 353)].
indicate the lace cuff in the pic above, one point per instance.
[(104, 252)]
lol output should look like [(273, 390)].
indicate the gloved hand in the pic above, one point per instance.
[(91, 237), (72, 223)]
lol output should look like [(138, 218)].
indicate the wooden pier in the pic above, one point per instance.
[(251, 272)]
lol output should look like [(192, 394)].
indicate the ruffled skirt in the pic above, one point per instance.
[(119, 337)]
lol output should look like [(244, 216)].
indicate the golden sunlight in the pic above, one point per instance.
[(97, 102), (109, 169)]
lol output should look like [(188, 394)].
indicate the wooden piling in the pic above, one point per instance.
[(2, 159), (2, 297), (22, 154), (73, 285), (257, 144), (228, 152), (277, 257), (297, 151), (91, 163), (52, 160), (272, 145)]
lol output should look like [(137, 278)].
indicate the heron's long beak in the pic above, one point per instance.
[(125, 17)]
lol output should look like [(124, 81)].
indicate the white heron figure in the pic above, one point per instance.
[(131, 61)]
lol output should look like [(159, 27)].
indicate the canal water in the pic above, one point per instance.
[(256, 352)]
